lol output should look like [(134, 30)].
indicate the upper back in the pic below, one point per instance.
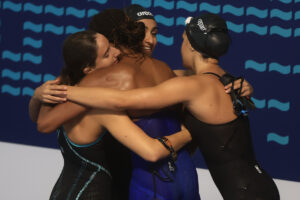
[(212, 105), (129, 73)]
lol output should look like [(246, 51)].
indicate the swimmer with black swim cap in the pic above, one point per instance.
[(208, 34), (140, 14)]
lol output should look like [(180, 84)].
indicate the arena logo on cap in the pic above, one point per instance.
[(144, 13), (201, 25)]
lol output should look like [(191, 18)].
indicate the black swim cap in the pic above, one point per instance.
[(137, 12), (208, 34)]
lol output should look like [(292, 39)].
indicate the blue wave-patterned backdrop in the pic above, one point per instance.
[(265, 49)]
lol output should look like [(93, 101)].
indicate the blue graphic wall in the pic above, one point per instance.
[(265, 50)]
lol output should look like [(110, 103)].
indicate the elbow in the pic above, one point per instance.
[(153, 156), (32, 117), (44, 127)]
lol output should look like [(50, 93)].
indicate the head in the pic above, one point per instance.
[(140, 14), (119, 29), (83, 52), (206, 34)]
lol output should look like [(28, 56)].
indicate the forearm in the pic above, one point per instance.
[(51, 118), (34, 108), (183, 72), (168, 93), (96, 97), (134, 138), (44, 123), (180, 139), (48, 92), (157, 149)]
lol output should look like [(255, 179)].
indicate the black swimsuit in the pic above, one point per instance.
[(228, 152), (85, 173)]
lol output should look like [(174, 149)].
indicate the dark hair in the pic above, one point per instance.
[(208, 34), (79, 51), (119, 29)]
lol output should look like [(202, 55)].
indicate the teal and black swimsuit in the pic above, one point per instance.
[(85, 173)]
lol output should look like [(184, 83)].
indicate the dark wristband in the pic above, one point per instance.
[(167, 144)]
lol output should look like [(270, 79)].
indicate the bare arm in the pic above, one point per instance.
[(173, 91), (247, 89), (52, 118), (136, 140), (34, 108), (49, 92), (183, 72)]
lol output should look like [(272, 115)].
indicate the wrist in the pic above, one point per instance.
[(69, 92), (168, 145), (36, 95)]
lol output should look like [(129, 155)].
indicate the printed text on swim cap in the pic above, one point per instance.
[(144, 13), (201, 25)]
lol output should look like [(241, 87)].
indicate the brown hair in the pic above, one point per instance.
[(79, 51)]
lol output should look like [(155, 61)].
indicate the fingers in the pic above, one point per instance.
[(236, 85), (228, 88), (246, 90), (57, 93), (57, 87), (50, 101), (50, 92), (51, 82), (58, 79), (53, 99)]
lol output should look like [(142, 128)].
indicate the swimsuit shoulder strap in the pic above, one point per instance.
[(217, 75)]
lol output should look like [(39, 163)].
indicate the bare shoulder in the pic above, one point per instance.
[(119, 76), (163, 67), (210, 81), (188, 82)]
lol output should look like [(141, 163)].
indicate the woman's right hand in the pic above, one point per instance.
[(51, 92), (246, 90)]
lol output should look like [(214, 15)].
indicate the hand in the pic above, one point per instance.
[(51, 92), (247, 89)]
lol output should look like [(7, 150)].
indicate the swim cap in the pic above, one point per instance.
[(137, 12), (208, 34)]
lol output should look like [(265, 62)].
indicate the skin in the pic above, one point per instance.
[(150, 43), (56, 94), (150, 40), (106, 56), (92, 122), (202, 94), (52, 93)]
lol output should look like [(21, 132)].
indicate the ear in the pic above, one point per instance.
[(87, 70), (190, 47)]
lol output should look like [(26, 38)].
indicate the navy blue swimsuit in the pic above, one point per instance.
[(163, 184)]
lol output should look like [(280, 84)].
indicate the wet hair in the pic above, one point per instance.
[(79, 51), (137, 12), (119, 29), (208, 34)]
